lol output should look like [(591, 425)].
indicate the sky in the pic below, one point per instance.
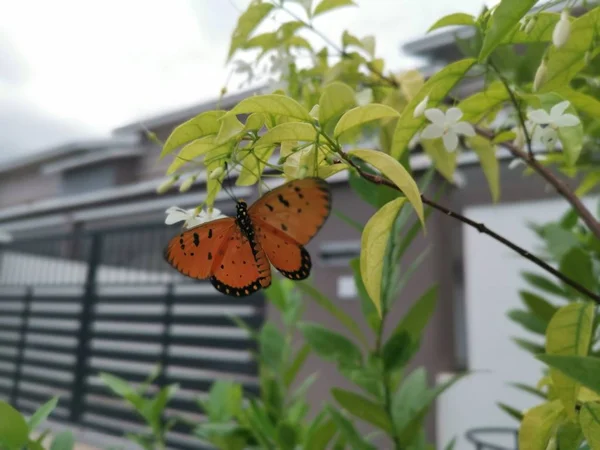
[(72, 69)]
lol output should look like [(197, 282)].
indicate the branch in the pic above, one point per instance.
[(560, 186)]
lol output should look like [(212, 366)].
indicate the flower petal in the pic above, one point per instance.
[(436, 116), (450, 140), (567, 120), (432, 131), (193, 221), (176, 216), (539, 116), (453, 115), (558, 109), (464, 128)]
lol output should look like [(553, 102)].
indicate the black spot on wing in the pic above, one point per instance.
[(196, 239), (283, 201)]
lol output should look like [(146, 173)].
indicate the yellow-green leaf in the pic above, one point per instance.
[(504, 136), (363, 114), (328, 5), (13, 428), (230, 128), (328, 171), (589, 419), (486, 151), (506, 15), (363, 408), (277, 104), (373, 245), (411, 83), (452, 20), (246, 24), (437, 87), (204, 124), (478, 105), (588, 183), (568, 334), (336, 99), (565, 62), (581, 102), (289, 131), (443, 160), (193, 150), (253, 165), (393, 170), (538, 425), (254, 122)]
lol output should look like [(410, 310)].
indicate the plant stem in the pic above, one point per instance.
[(560, 186)]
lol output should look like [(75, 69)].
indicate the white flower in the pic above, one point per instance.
[(447, 126), (540, 75), (166, 185), (190, 217), (553, 121), (420, 108), (562, 30)]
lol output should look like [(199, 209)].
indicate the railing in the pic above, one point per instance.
[(74, 306), (494, 438)]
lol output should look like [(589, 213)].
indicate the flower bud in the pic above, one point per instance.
[(187, 184), (530, 25), (166, 185), (314, 112), (540, 75), (420, 108), (216, 173), (562, 30)]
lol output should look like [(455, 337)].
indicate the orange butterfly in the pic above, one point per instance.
[(235, 252)]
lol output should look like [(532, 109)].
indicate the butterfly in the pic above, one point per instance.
[(236, 253)]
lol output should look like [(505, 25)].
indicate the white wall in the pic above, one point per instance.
[(492, 281)]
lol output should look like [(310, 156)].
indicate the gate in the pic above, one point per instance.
[(106, 301)]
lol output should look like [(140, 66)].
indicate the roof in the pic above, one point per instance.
[(182, 114), (75, 147)]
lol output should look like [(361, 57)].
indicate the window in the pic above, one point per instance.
[(88, 179)]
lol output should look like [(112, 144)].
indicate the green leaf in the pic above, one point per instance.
[(347, 429), (330, 345), (328, 5), (373, 246), (157, 406), (417, 317), (505, 17), (569, 333), (569, 435), (486, 152), (541, 30), (362, 408), (277, 104), (204, 124), (529, 346), (230, 128), (224, 400), (205, 146), (42, 413), (286, 436), (581, 102), (120, 387), (397, 351), (271, 344), (13, 428), (543, 283), (530, 321), (396, 173), (512, 412), (290, 374), (530, 389), (538, 425), (324, 302), (253, 165), (246, 24), (577, 265), (559, 240), (363, 114), (584, 369), (537, 305), (374, 194), (336, 99), (320, 435), (289, 131), (63, 441), (452, 20), (443, 160), (567, 61), (437, 87), (589, 419)]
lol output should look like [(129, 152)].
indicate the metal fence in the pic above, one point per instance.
[(74, 306)]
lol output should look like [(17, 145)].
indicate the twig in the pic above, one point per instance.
[(560, 186)]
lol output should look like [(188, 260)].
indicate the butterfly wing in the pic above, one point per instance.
[(288, 217), (241, 268), (194, 251), (298, 208)]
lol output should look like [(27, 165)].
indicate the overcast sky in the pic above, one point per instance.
[(71, 69)]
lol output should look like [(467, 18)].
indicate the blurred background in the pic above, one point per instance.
[(83, 286)]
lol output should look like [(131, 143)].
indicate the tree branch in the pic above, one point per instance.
[(560, 186)]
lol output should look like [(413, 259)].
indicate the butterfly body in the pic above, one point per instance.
[(236, 254)]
